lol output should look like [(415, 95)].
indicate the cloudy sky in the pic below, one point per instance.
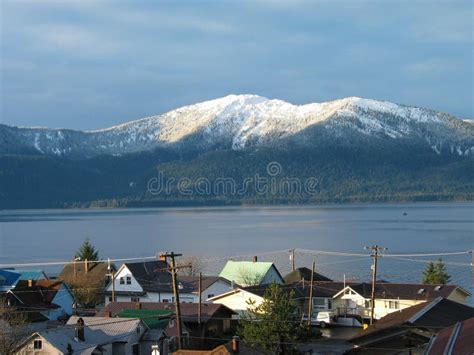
[(91, 64)]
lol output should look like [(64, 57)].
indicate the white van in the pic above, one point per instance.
[(321, 319)]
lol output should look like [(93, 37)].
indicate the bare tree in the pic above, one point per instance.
[(195, 266), (249, 278), (13, 328)]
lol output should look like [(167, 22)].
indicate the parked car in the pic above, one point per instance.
[(321, 319)]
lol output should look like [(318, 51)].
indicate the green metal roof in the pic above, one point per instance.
[(242, 271), (151, 317)]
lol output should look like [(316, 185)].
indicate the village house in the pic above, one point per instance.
[(248, 273), (355, 299), (215, 320), (88, 335), (410, 328), (41, 299), (323, 292), (150, 281)]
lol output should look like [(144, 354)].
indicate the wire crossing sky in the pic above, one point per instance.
[(92, 64)]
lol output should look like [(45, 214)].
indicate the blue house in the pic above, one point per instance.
[(51, 299)]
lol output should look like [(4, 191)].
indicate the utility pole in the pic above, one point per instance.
[(376, 249), (74, 266), (200, 301), (173, 269), (111, 273), (200, 308), (310, 301), (472, 267), (292, 259)]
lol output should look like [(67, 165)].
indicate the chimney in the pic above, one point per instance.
[(255, 259), (86, 266), (235, 344), (30, 283), (162, 257), (138, 305), (80, 330)]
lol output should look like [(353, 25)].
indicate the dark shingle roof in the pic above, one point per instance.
[(404, 291), (326, 289), (191, 283), (303, 273), (428, 315), (152, 275), (189, 311)]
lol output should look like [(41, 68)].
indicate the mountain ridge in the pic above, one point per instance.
[(242, 121)]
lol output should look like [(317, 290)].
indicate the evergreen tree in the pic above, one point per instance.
[(443, 276), (87, 251), (435, 273), (274, 323)]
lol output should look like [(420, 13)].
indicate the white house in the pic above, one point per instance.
[(150, 281), (238, 300), (392, 297)]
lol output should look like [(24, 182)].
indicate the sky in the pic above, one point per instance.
[(92, 64)]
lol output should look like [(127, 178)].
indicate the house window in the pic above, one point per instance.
[(110, 298), (122, 281), (367, 303), (319, 303), (393, 305), (136, 349), (129, 280), (135, 299), (38, 344)]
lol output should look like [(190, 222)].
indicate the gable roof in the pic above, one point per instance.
[(456, 339), (151, 275), (40, 295), (97, 272), (303, 273), (389, 290), (98, 331), (238, 271), (191, 283), (427, 315), (189, 311)]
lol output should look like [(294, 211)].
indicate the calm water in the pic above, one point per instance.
[(215, 233)]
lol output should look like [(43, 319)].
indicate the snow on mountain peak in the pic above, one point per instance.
[(249, 120)]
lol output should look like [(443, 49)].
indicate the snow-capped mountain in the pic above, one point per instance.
[(240, 121)]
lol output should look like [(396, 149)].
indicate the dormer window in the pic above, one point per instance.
[(421, 291), (437, 288), (180, 286)]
